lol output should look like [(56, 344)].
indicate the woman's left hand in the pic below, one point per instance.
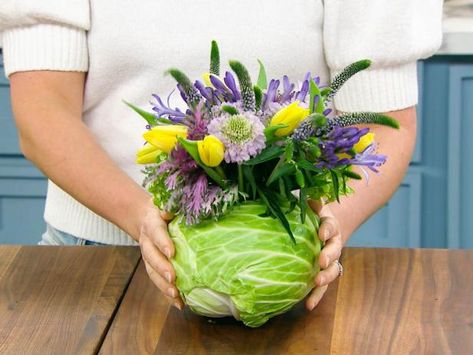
[(330, 234)]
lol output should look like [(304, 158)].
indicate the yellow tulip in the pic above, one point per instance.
[(165, 137), (211, 151), (147, 154), (291, 115), (207, 82), (364, 142)]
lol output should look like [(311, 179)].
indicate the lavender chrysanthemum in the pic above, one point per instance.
[(242, 135)]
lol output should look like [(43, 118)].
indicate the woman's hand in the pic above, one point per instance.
[(329, 233), (157, 249)]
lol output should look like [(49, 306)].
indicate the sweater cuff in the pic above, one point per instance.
[(45, 47), (379, 90)]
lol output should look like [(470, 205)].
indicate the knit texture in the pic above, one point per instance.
[(126, 47)]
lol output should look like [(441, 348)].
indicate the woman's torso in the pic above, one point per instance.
[(132, 44)]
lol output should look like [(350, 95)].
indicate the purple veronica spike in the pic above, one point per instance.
[(162, 110), (317, 80), (231, 84)]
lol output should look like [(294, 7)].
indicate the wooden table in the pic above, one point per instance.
[(67, 300)]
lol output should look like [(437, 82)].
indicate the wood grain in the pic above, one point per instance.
[(146, 324), (390, 301), (408, 301), (138, 323), (60, 300)]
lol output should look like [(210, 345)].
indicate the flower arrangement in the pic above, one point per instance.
[(237, 169)]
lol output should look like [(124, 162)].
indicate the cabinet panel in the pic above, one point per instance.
[(398, 223), (460, 162), (8, 134)]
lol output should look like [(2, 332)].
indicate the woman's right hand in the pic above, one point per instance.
[(157, 250)]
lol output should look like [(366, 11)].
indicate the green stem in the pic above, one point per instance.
[(240, 179)]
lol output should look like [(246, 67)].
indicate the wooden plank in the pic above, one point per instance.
[(140, 319), (409, 301), (145, 324), (60, 300), (390, 301)]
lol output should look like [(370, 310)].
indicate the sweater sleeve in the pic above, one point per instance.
[(393, 35), (44, 35)]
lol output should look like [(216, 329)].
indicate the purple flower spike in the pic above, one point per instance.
[(301, 95), (271, 93), (327, 112), (288, 90), (162, 110), (317, 80), (231, 84), (204, 91), (183, 94), (217, 83)]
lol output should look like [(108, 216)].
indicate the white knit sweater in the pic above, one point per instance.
[(125, 47)]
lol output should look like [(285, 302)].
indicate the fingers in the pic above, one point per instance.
[(156, 260), (329, 228), (331, 251), (166, 288), (155, 228), (328, 275), (315, 297)]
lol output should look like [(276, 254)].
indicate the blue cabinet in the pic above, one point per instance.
[(431, 208), (22, 186)]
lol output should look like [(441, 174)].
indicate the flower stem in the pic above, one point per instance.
[(241, 187)]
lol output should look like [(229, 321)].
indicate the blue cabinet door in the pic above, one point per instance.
[(22, 186)]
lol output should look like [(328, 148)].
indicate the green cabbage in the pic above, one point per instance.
[(245, 265)]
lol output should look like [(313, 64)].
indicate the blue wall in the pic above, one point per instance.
[(431, 208)]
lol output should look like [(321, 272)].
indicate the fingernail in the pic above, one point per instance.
[(172, 292), (311, 306), (167, 275), (178, 306), (167, 252)]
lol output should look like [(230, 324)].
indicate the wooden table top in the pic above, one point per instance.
[(78, 300)]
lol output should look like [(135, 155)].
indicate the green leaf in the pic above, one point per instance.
[(300, 178), (248, 173), (229, 109), (351, 174), (313, 92), (307, 165), (214, 59), (191, 148), (336, 185), (246, 88), (303, 203), (258, 97), (271, 201), (269, 132), (354, 118), (267, 154), (149, 117), (262, 82), (346, 74), (279, 171), (289, 150)]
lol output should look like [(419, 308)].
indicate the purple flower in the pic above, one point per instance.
[(336, 147), (164, 110), (242, 135)]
